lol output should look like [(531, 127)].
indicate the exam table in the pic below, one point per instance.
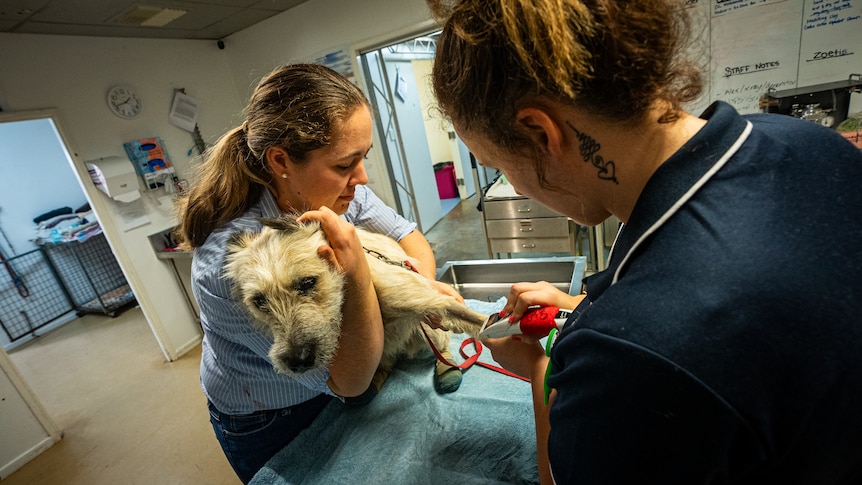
[(483, 433)]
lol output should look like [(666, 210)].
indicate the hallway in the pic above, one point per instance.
[(458, 236)]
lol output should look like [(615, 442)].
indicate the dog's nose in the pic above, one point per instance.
[(300, 361)]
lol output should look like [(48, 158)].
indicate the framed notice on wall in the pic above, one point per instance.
[(337, 60)]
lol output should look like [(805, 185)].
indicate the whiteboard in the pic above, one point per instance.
[(831, 41), (755, 45)]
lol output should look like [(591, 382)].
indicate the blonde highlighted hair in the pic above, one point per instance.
[(612, 58)]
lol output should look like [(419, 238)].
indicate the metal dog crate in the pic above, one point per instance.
[(91, 275), (31, 295)]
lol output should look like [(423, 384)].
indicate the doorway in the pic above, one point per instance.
[(40, 186), (428, 165), (55, 254)]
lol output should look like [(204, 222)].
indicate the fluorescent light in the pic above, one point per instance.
[(164, 17)]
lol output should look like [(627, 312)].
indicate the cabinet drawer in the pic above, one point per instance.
[(531, 245), (530, 228), (517, 209)]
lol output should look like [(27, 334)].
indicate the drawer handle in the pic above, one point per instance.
[(525, 209), (526, 229), (528, 246)]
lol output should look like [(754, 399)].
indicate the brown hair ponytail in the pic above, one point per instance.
[(296, 107), (225, 187)]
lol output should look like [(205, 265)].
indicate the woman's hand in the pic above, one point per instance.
[(521, 354), (345, 251), (524, 295)]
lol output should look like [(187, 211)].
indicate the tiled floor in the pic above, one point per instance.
[(459, 235), (127, 415)]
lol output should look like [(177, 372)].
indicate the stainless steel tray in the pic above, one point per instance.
[(490, 279)]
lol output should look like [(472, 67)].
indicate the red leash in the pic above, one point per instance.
[(471, 359)]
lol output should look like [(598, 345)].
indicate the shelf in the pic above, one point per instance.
[(174, 254)]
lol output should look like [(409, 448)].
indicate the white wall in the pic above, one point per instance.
[(26, 428), (36, 180), (316, 27), (436, 128)]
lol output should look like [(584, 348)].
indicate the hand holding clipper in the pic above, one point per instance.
[(537, 321)]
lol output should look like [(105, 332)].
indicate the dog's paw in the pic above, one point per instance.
[(447, 379)]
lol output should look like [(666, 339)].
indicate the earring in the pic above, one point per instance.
[(284, 175)]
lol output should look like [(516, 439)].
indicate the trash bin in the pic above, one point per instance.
[(447, 187)]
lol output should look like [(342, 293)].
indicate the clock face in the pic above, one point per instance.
[(124, 102)]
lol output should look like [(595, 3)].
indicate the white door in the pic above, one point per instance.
[(399, 124)]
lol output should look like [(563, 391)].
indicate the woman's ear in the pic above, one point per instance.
[(278, 160), (542, 129)]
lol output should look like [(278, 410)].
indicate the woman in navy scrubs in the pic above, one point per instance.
[(722, 344)]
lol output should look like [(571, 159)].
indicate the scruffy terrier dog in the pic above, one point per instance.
[(297, 296)]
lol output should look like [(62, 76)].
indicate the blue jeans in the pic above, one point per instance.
[(250, 440)]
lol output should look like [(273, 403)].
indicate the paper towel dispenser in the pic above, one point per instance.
[(116, 177)]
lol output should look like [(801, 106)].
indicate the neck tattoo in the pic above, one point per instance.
[(589, 150)]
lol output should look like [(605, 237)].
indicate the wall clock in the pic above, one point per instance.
[(124, 101)]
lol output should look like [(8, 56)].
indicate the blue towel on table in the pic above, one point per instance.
[(486, 307), (483, 433)]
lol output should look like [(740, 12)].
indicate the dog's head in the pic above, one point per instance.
[(289, 290)]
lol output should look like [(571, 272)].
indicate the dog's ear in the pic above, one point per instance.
[(286, 223), (238, 240), (278, 223)]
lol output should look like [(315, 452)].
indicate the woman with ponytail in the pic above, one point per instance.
[(300, 150), (722, 343)]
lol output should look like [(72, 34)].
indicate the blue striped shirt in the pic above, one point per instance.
[(236, 373)]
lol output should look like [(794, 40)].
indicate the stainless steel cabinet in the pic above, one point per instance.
[(522, 225)]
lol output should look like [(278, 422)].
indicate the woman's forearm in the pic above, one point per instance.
[(361, 342), (543, 425), (415, 245)]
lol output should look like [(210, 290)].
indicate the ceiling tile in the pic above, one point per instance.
[(277, 5), (19, 9), (229, 25), (103, 31), (91, 12), (207, 19)]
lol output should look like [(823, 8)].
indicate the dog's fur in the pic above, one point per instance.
[(297, 296)]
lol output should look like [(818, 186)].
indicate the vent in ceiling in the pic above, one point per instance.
[(147, 16)]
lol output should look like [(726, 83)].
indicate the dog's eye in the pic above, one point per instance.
[(305, 285), (259, 301)]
